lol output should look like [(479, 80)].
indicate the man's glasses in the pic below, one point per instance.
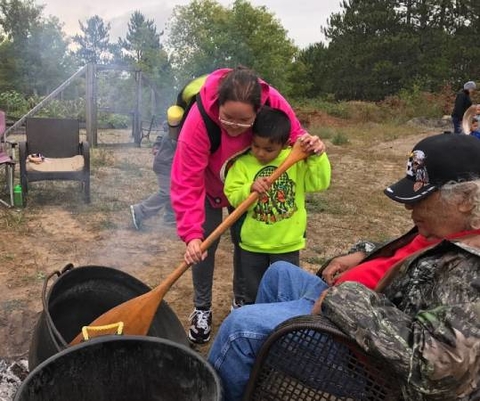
[(228, 123)]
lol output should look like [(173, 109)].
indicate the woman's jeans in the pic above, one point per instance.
[(285, 291)]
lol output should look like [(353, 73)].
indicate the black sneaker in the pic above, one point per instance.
[(200, 326)]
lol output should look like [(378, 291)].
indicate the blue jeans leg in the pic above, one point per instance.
[(244, 331), (284, 282)]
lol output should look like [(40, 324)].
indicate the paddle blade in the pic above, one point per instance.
[(136, 314)]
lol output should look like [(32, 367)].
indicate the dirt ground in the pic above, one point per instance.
[(57, 228)]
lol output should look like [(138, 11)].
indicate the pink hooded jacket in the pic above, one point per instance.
[(195, 172)]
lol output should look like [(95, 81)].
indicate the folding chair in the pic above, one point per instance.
[(153, 125), (7, 161)]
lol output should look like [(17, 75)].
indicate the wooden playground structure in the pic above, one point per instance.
[(90, 72)]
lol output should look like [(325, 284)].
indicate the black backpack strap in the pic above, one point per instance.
[(213, 129)]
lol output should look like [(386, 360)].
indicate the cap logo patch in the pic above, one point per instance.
[(416, 168)]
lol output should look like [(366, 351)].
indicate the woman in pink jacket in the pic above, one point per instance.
[(231, 98)]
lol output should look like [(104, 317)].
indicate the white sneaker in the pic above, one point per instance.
[(136, 223)]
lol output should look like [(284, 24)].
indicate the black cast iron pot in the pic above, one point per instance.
[(78, 296), (123, 368)]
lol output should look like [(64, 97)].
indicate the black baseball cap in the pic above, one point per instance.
[(433, 162)]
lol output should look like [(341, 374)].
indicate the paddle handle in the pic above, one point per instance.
[(295, 156)]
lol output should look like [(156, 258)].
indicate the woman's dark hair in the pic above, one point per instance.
[(240, 85), (273, 124)]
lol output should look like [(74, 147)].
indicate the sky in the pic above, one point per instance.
[(301, 18)]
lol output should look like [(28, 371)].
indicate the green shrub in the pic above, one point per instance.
[(340, 139), (322, 131)]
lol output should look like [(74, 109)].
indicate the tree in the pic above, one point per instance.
[(142, 43), (310, 71), (17, 18), (33, 53), (93, 44), (205, 35), (143, 51)]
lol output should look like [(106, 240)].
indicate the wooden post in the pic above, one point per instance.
[(153, 104), (91, 104), (137, 117)]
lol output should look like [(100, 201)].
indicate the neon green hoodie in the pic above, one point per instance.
[(276, 223)]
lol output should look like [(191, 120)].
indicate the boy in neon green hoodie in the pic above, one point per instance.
[(274, 227)]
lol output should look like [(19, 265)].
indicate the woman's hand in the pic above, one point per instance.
[(194, 254), (312, 143), (340, 265), (260, 185)]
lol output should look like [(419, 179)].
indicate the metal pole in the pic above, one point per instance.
[(45, 101)]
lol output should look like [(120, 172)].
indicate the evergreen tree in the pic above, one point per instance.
[(93, 44)]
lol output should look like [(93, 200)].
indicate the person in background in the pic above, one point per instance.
[(462, 102), (231, 98), (163, 150), (474, 127), (274, 227), (413, 302)]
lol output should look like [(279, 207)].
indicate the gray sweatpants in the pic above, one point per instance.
[(202, 273), (157, 201)]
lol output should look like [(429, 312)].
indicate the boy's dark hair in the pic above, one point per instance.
[(273, 124), (241, 85)]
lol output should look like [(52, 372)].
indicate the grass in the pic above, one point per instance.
[(13, 304), (322, 131), (340, 139), (101, 157)]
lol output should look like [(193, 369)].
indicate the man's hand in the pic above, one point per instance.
[(317, 307), (194, 254), (339, 265), (260, 185)]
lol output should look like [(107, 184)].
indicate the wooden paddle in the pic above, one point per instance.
[(137, 313)]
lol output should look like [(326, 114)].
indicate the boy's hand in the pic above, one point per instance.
[(261, 185)]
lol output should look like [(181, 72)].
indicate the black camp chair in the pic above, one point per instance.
[(307, 358)]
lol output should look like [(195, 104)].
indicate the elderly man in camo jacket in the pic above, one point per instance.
[(414, 303)]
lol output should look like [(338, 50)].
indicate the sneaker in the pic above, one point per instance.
[(236, 304), (200, 326), (136, 221)]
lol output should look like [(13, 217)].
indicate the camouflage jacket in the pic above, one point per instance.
[(425, 321)]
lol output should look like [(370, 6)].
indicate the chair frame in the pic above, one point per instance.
[(55, 148), (154, 125)]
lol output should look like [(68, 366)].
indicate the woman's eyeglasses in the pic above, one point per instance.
[(228, 123)]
